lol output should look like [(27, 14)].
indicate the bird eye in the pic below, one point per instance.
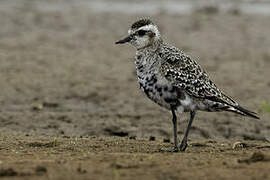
[(141, 32)]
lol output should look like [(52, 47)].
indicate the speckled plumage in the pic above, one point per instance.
[(173, 79), (168, 76), (187, 75)]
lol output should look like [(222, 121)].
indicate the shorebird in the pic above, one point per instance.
[(174, 80)]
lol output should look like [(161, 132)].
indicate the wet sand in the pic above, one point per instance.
[(61, 75)]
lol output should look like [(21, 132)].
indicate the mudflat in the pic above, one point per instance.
[(71, 107), (42, 157)]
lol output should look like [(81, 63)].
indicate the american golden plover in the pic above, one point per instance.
[(173, 79)]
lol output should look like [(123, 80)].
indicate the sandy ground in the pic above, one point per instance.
[(122, 158), (61, 75)]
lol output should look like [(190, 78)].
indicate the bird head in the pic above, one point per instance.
[(143, 33)]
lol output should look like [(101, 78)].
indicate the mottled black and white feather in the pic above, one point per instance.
[(186, 74)]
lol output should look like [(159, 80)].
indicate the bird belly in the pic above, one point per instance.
[(186, 104), (165, 95), (157, 91)]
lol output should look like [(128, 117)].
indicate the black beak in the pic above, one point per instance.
[(127, 39)]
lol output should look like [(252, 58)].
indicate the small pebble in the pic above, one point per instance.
[(166, 140), (37, 107), (82, 171), (132, 137), (41, 169)]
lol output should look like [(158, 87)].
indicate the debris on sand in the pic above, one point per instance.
[(152, 138), (197, 144), (8, 172), (50, 104), (133, 137), (115, 131), (239, 145), (42, 144), (40, 106), (40, 170), (119, 165), (37, 107), (166, 140), (263, 147), (81, 171), (256, 157)]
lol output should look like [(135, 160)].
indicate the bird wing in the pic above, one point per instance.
[(187, 74)]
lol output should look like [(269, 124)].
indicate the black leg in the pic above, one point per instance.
[(174, 120), (183, 145)]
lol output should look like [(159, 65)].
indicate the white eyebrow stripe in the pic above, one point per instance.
[(147, 27), (150, 27)]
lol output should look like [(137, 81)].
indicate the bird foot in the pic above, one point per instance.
[(175, 149), (183, 146)]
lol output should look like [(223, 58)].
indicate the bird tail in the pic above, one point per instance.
[(233, 106), (240, 110)]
